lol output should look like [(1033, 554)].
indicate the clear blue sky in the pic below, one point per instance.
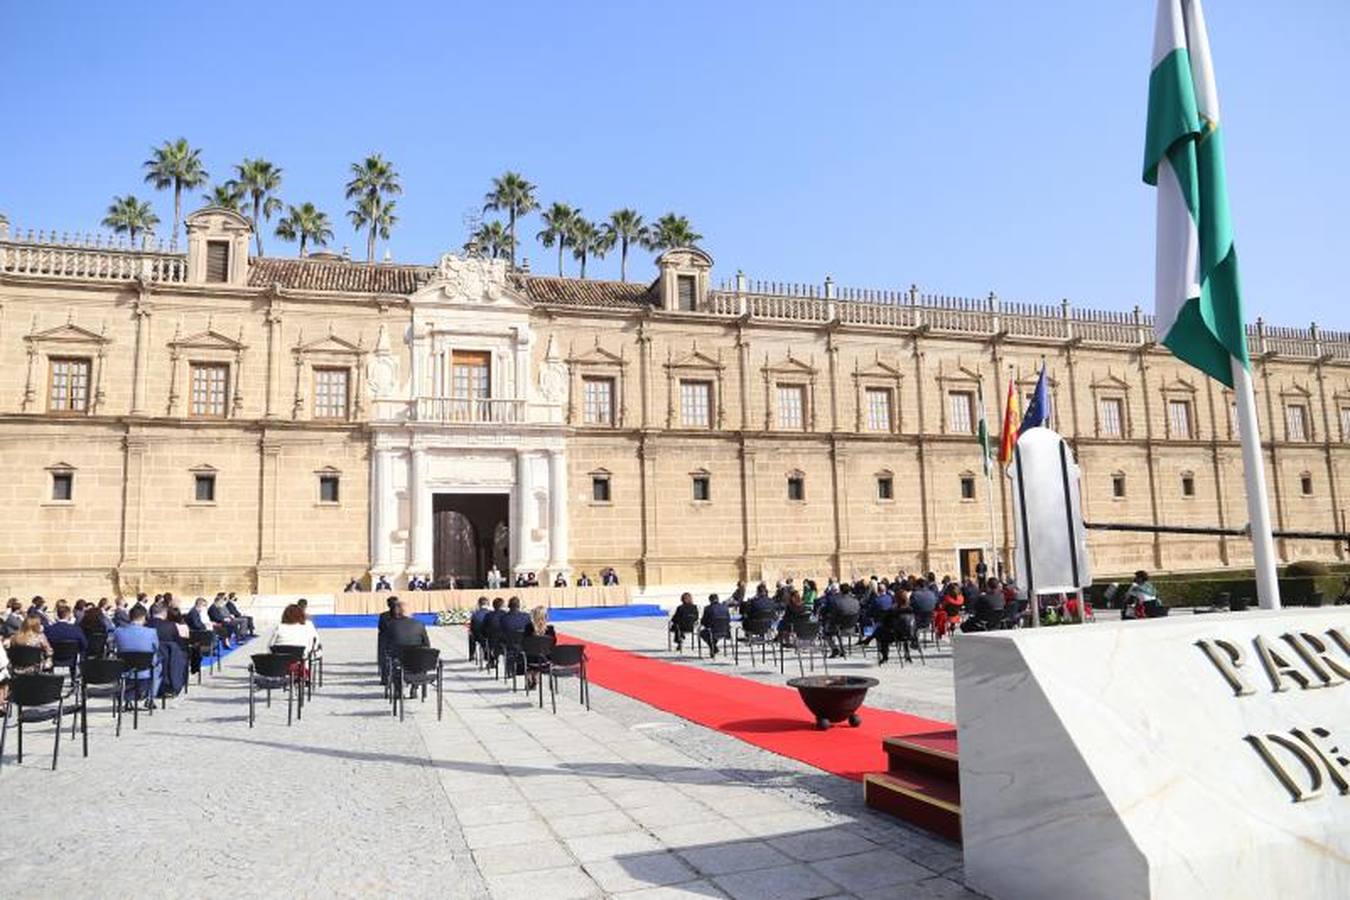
[(967, 147)]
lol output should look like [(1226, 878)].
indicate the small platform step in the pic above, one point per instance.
[(923, 799), (934, 752)]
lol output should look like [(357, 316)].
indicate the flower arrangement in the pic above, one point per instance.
[(452, 617)]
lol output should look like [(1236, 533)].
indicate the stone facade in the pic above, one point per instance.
[(278, 426)]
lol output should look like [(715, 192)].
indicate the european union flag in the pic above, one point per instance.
[(1038, 410)]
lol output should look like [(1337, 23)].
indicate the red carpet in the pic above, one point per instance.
[(769, 717)]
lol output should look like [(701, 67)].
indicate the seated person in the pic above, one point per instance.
[(137, 638), (584, 580), (683, 620), (402, 630), (989, 611), (65, 629), (220, 615), (492, 629), (759, 607), (93, 623), (609, 577), (476, 627), (896, 626), (716, 622), (232, 606), (842, 610), (13, 618), (795, 611), (172, 652), (539, 627), (293, 630), (381, 640), (30, 635), (514, 621), (560, 580), (382, 584)]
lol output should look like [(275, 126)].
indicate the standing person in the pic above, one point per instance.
[(494, 578), (716, 621), (683, 620)]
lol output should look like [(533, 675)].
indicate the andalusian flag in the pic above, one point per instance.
[(1008, 436), (983, 434), (1199, 305)]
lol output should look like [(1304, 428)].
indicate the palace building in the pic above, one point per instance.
[(211, 420)]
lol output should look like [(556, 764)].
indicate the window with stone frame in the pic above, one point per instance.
[(791, 407), (796, 487), (961, 412), (879, 416), (68, 384), (686, 293), (967, 487), (1305, 484), (210, 384), (1179, 420), (600, 488), (1111, 417), (701, 487), (1188, 484), (1295, 422), (329, 488), (331, 393), (204, 487), (885, 487), (696, 404), (63, 485), (1345, 424), (597, 400), (1118, 486)]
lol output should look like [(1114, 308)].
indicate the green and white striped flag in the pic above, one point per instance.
[(1199, 304), (983, 433)]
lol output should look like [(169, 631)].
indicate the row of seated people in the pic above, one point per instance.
[(493, 629), (39, 642), (889, 613), (222, 615), (494, 581)]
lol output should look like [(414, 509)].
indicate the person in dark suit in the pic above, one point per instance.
[(841, 610), (896, 626), (381, 638), (794, 612), (476, 627), (716, 622), (683, 620), (492, 629), (172, 653), (39, 609), (232, 605), (402, 630), (988, 610), (65, 629), (760, 606), (514, 622)]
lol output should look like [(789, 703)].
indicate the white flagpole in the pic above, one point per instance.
[(992, 564), (1258, 504)]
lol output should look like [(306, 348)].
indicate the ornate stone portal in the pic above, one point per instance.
[(469, 418)]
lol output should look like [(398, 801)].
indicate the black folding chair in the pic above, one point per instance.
[(66, 655), (269, 672), (513, 653), (537, 648), (98, 645), (718, 637), (686, 631), (566, 660), (304, 671), (140, 669), (204, 644), (102, 678), (756, 633), (22, 657), (34, 698), (419, 667), (806, 638)]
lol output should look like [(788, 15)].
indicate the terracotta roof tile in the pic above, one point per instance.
[(575, 292), (338, 275)]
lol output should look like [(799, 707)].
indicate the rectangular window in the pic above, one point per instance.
[(1305, 484), (1188, 485), (471, 374), (702, 488), (597, 401), (885, 487), (1112, 413), (878, 409), (791, 400), (204, 487), (63, 486), (210, 384), (695, 404), (1345, 424), (68, 381), (600, 488), (328, 489), (686, 292), (217, 261), (1117, 486), (330, 393), (796, 487), (967, 487), (1179, 418), (961, 405), (1296, 422)]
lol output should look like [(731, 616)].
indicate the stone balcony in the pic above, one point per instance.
[(460, 411)]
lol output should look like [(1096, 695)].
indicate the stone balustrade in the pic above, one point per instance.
[(89, 257)]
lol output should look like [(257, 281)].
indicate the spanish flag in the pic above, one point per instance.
[(1011, 416)]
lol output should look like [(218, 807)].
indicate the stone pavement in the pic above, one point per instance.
[(499, 799)]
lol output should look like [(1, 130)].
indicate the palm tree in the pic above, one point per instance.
[(177, 165), (558, 219), (587, 240), (305, 223), (494, 238), (259, 181), (514, 195), (227, 196), (373, 179), (129, 216), (672, 231), (625, 226), (376, 214)]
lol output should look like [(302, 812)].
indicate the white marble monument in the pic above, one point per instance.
[(1198, 756)]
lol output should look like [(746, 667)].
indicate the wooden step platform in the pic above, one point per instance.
[(922, 784)]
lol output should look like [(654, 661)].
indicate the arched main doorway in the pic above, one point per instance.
[(471, 532)]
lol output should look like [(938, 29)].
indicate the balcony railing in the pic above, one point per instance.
[(457, 410), (95, 258)]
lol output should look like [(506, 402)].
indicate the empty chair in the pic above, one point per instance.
[(34, 697), (269, 672), (102, 678), (419, 667), (569, 660), (806, 638)]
